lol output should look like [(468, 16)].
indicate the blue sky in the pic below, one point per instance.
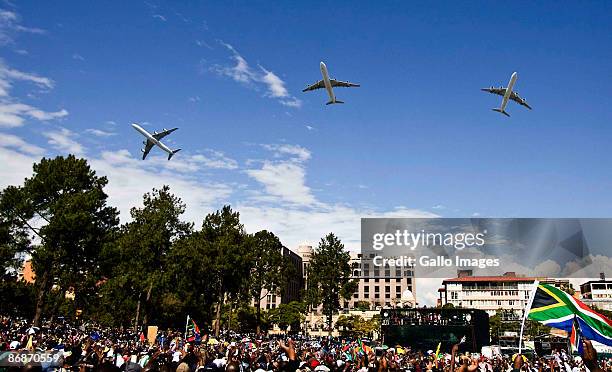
[(417, 139)]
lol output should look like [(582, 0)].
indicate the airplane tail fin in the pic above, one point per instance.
[(332, 102), (172, 154), (502, 111)]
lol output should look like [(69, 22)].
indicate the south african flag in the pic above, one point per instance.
[(192, 332), (557, 309)]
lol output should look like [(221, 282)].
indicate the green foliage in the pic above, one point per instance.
[(17, 297), (285, 315), (362, 305), (137, 263), (357, 326), (269, 269), (68, 198), (329, 276)]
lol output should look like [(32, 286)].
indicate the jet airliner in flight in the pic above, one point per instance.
[(154, 139), (507, 94), (328, 84)]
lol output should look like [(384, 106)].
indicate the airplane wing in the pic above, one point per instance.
[(146, 149), (516, 98), (163, 134), (345, 84), (318, 85), (498, 91)]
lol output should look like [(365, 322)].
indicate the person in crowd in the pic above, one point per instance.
[(90, 347)]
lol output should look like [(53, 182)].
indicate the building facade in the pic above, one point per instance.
[(509, 292), (597, 293), (378, 287), (292, 291), (381, 286)]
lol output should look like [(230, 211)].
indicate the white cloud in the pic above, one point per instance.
[(100, 133), (129, 178), (12, 141), (210, 159), (78, 57), (160, 17), (63, 140), (16, 166), (311, 128), (10, 25), (8, 75), (284, 181), (241, 72), (14, 113), (216, 160), (295, 225), (300, 153)]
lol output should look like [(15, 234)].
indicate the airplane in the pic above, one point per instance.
[(507, 93), (154, 139), (328, 83)]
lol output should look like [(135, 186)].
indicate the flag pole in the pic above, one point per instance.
[(186, 325), (526, 312)]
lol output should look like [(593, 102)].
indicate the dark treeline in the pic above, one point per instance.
[(154, 269)]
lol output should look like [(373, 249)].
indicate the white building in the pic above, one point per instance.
[(491, 293), (597, 293)]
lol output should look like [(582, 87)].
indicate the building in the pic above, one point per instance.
[(26, 273), (508, 292), (488, 293), (293, 289), (381, 287), (305, 252), (378, 286), (597, 293)]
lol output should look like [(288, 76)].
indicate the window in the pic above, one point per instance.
[(376, 272), (398, 289), (387, 280), (366, 288), (376, 295), (387, 289), (387, 272), (387, 295)]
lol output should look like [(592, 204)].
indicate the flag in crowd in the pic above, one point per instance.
[(558, 309), (192, 332), (575, 339)]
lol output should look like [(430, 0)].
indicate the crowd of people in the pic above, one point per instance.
[(89, 347)]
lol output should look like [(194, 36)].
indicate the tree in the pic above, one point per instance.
[(223, 237), (137, 261), (68, 202), (356, 325), (329, 276), (362, 305), (288, 315), (269, 268)]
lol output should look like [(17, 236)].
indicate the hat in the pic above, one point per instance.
[(313, 364)]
